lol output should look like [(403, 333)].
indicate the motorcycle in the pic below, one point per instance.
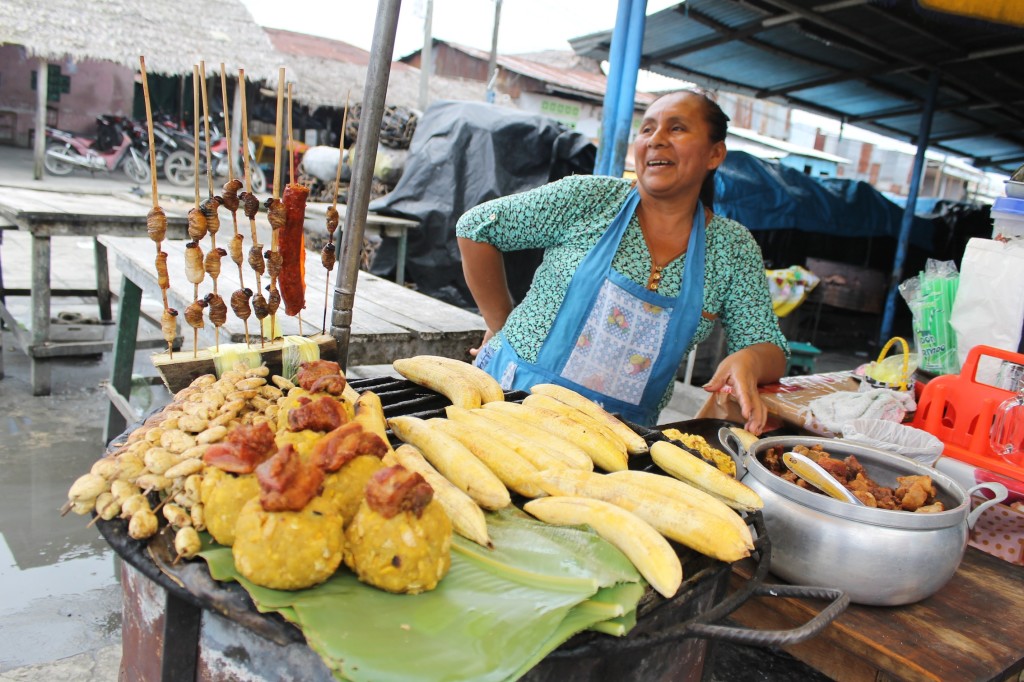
[(179, 167), (113, 148)]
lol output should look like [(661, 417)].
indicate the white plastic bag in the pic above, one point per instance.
[(908, 441)]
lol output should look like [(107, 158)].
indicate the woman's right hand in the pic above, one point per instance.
[(488, 335)]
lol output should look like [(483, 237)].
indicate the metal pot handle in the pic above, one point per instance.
[(775, 638), (734, 448), (999, 493)]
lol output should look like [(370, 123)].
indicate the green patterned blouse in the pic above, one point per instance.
[(567, 217)]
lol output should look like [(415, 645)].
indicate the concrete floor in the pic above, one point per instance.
[(60, 601)]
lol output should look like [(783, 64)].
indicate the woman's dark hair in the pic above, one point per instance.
[(718, 124)]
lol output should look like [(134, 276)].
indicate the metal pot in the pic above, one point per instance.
[(877, 556)]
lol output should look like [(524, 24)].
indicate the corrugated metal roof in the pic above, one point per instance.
[(867, 62)]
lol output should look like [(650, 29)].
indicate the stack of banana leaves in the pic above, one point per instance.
[(494, 616)]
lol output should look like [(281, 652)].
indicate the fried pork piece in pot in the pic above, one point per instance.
[(400, 539), (288, 550), (224, 495)]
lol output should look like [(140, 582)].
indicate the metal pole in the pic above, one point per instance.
[(492, 64), (924, 133), (426, 56), (377, 73), (611, 93), (626, 103), (39, 146)]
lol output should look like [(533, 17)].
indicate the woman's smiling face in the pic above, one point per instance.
[(673, 150)]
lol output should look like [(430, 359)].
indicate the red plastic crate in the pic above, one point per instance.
[(959, 411)]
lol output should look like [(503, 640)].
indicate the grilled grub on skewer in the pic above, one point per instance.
[(212, 262), (260, 306), (240, 303), (327, 255), (274, 263), (194, 314), (194, 271), (273, 301), (229, 198), (169, 325), (209, 208), (250, 204), (276, 213), (196, 223), (333, 218), (162, 278), (235, 249), (156, 224), (218, 310), (256, 259)]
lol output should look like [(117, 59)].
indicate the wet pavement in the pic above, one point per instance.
[(60, 599)]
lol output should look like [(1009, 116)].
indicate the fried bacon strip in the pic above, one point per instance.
[(292, 249), (396, 489), (344, 444), (196, 223), (246, 447), (286, 482), (321, 376), (322, 414), (156, 224)]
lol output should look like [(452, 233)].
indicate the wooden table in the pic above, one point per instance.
[(389, 321), (968, 630), (381, 225), (54, 214)]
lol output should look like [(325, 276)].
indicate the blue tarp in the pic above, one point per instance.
[(765, 195)]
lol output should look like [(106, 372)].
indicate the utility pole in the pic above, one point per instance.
[(426, 65), (492, 66)]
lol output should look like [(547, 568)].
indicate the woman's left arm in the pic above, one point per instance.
[(741, 372)]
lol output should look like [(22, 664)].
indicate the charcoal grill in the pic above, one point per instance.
[(669, 642)]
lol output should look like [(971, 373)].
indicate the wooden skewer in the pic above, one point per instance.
[(195, 132), (337, 183), (152, 144), (248, 182), (231, 178), (291, 141), (206, 125), (278, 142)]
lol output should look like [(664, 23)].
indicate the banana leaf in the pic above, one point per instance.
[(493, 617)]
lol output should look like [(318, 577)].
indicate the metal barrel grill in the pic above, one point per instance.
[(669, 642)]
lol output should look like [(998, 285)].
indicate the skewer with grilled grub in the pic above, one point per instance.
[(251, 206), (328, 254), (210, 206), (276, 213), (229, 198), (156, 227), (194, 268)]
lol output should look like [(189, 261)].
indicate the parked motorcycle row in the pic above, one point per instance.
[(123, 144)]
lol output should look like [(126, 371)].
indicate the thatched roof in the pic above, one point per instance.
[(323, 71), (172, 36)]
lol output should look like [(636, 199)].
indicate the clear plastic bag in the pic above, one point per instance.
[(908, 441)]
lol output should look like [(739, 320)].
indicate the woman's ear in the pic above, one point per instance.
[(717, 155)]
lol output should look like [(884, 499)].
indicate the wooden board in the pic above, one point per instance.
[(181, 369), (388, 321), (69, 214), (969, 630)]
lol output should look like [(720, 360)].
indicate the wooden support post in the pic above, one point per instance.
[(102, 281), (124, 353)]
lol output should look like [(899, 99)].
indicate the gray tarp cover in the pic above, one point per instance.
[(462, 154)]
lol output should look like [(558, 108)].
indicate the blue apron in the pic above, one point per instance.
[(612, 336)]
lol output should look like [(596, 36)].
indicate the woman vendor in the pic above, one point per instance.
[(634, 275)]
